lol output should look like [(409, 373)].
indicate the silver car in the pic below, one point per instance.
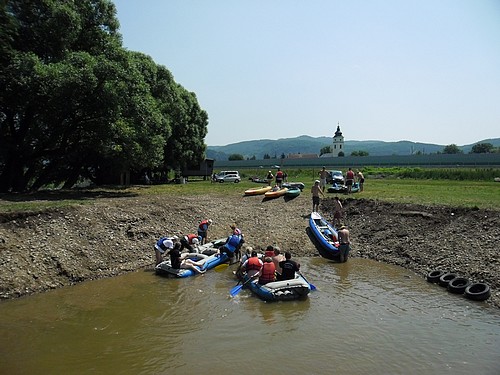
[(229, 177)]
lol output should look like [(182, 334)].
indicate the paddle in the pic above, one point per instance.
[(221, 267), (237, 288), (310, 285)]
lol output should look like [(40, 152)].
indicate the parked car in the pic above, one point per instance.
[(228, 176), (335, 177)]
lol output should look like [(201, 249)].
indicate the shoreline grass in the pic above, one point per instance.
[(469, 194)]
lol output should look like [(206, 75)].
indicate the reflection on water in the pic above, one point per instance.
[(365, 318)]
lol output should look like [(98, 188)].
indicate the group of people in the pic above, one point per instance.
[(275, 266), (173, 246), (280, 178), (350, 179)]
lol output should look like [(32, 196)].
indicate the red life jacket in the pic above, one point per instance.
[(203, 225), (268, 273), (279, 175), (269, 253), (350, 175), (253, 264), (191, 237)]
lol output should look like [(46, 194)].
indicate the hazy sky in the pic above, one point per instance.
[(389, 70)]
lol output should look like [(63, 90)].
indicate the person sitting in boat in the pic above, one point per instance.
[(289, 267), (267, 272), (232, 243), (244, 257), (277, 258), (252, 265), (190, 242), (203, 230), (269, 252), (275, 188), (178, 260), (162, 246)]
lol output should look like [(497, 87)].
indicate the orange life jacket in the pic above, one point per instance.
[(253, 264), (268, 273)]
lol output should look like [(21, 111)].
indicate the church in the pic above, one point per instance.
[(338, 145)]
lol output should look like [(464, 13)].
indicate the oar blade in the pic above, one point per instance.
[(221, 267), (235, 290)]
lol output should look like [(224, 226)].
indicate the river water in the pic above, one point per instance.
[(364, 318)]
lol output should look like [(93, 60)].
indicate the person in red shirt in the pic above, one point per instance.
[(349, 180), (279, 177)]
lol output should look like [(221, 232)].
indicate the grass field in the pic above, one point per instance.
[(429, 192)]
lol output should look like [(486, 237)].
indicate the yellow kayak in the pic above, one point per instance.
[(275, 194), (258, 191)]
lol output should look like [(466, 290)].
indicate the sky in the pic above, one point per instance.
[(388, 70)]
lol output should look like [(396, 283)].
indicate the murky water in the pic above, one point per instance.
[(365, 318)]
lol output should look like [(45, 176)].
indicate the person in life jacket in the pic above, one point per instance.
[(252, 265), (269, 252), (237, 231), (190, 242), (229, 248), (268, 272), (163, 246), (203, 230)]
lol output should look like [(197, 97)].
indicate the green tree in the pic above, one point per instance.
[(325, 150), (76, 104), (267, 156), (452, 149), (236, 157), (482, 148)]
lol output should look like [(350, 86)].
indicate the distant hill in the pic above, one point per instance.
[(310, 145)]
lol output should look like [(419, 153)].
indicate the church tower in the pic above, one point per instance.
[(338, 142)]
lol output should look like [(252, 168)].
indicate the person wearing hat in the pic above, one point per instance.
[(267, 272), (162, 246), (316, 191), (269, 177), (344, 243), (203, 230), (190, 242)]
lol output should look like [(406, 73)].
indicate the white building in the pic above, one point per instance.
[(338, 142)]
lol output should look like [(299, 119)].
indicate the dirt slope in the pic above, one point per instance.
[(45, 250)]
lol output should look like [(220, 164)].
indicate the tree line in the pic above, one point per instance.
[(75, 104)]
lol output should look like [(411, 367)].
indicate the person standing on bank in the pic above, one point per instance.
[(323, 174), (361, 180), (269, 177), (279, 178), (190, 242), (349, 180), (316, 191), (162, 246), (203, 230), (345, 243), (338, 212)]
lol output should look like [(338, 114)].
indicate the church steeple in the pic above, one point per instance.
[(338, 142), (338, 133)]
